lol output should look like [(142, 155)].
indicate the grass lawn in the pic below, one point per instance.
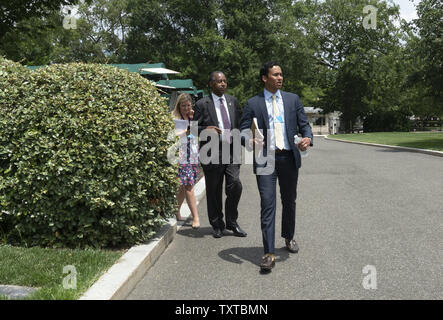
[(43, 268), (421, 140)]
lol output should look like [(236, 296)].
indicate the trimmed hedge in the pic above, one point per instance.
[(386, 121), (83, 156)]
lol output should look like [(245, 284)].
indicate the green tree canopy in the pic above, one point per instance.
[(430, 48), (329, 57), (12, 12)]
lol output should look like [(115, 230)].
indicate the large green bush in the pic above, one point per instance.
[(13, 85), (84, 157)]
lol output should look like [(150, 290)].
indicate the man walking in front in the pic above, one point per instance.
[(280, 115), (220, 113)]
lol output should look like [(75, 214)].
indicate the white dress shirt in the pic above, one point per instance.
[(217, 110), (270, 108)]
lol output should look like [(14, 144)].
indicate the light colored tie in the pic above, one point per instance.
[(278, 130)]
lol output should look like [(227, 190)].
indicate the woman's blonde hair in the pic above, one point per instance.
[(184, 97)]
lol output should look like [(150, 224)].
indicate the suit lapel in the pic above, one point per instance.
[(211, 110), (286, 104), (231, 110), (213, 113), (264, 110)]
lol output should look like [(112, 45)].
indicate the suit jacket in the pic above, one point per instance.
[(205, 114), (295, 121)]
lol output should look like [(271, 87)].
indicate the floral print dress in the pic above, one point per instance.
[(188, 160)]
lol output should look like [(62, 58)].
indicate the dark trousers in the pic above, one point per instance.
[(214, 176), (286, 172)]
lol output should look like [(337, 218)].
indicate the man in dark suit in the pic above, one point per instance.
[(218, 114), (280, 116)]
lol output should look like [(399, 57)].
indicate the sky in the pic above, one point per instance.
[(407, 9)]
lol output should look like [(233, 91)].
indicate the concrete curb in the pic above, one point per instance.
[(118, 282), (426, 151)]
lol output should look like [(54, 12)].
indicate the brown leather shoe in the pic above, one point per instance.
[(291, 245), (268, 262)]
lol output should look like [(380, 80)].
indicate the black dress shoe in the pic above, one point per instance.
[(218, 233), (291, 245), (268, 263), (238, 232)]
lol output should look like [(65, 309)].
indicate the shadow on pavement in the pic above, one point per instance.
[(187, 231), (251, 254), (395, 150)]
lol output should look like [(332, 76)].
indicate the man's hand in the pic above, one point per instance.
[(304, 144), (256, 142), (215, 128)]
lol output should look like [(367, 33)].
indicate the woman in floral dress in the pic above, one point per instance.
[(188, 159)]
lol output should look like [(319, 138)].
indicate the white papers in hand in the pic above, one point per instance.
[(180, 126), (256, 133)]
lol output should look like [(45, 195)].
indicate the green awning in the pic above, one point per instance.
[(34, 67), (178, 83), (196, 92), (130, 67), (183, 85), (138, 66)]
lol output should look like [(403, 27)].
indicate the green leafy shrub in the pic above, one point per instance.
[(386, 121), (84, 157), (13, 86), (13, 81)]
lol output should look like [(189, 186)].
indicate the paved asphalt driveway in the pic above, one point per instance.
[(357, 206)]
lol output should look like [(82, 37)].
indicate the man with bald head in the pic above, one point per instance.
[(220, 113)]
